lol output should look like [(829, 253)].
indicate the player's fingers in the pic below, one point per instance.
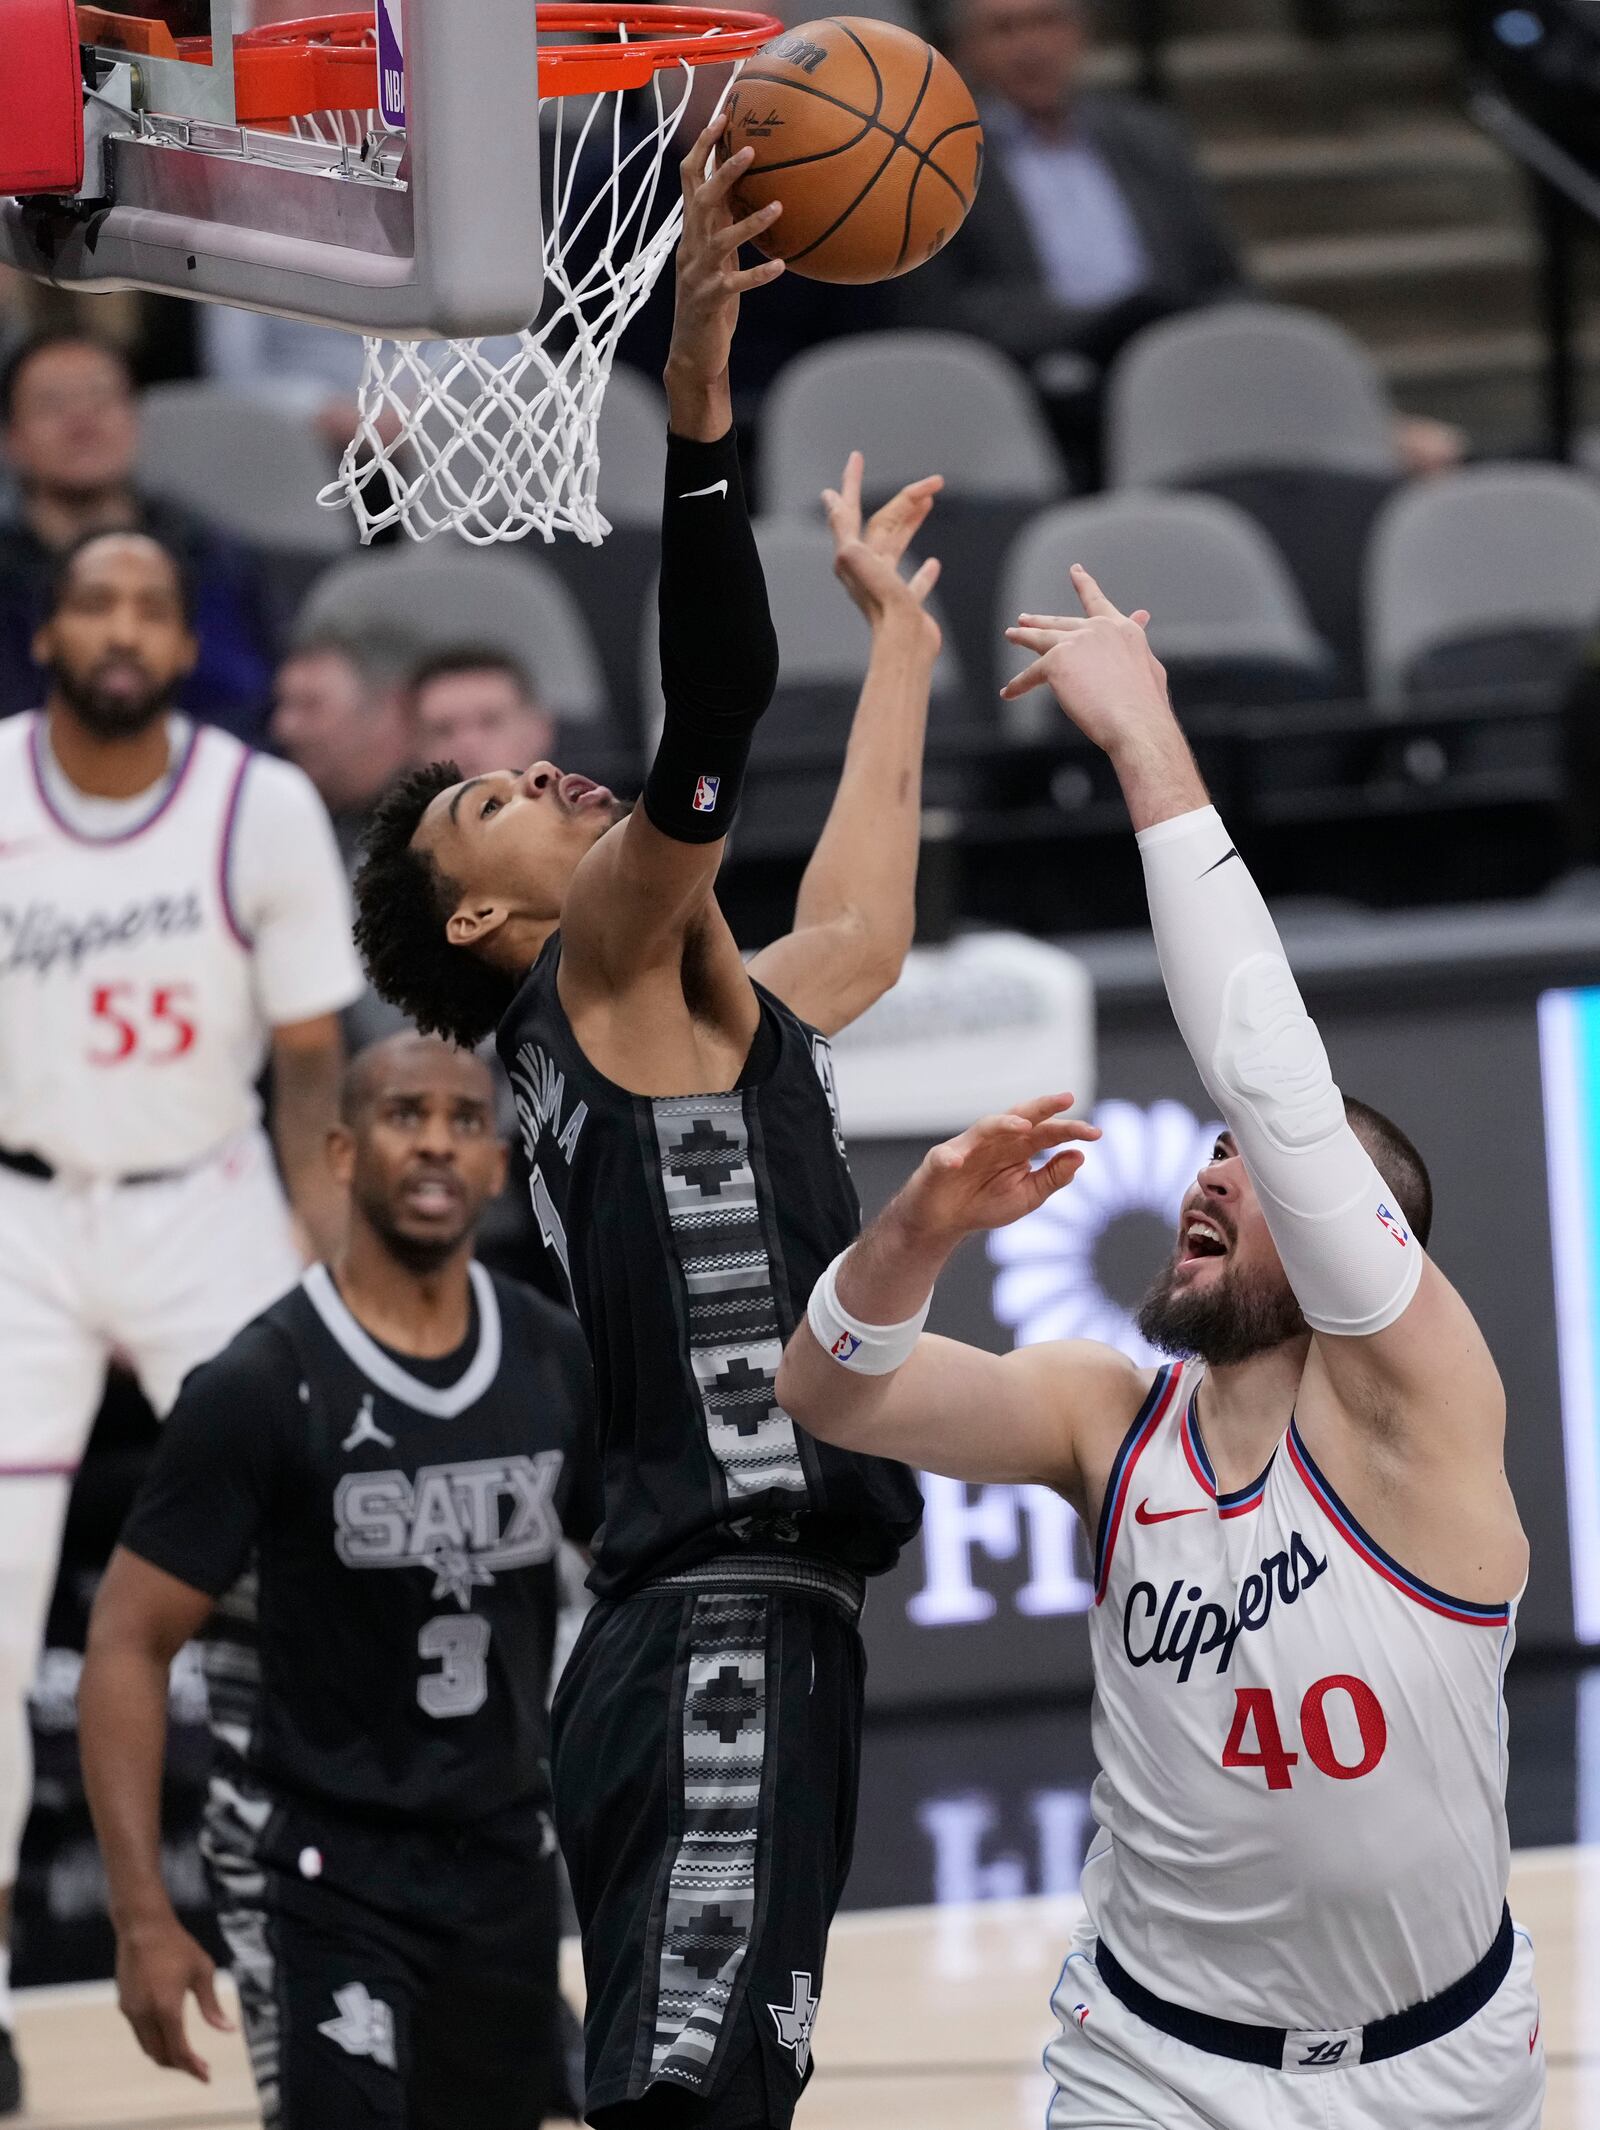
[(1062, 624), (1055, 1175), (755, 276), (692, 170), (1023, 683), (855, 472), (1039, 1107), (729, 240), (1095, 603), (1140, 617), (925, 578), (1040, 640), (205, 1995)]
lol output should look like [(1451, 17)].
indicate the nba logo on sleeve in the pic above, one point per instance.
[(705, 794), (1395, 1225)]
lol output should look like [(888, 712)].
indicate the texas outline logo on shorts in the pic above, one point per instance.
[(705, 794), (795, 2020)]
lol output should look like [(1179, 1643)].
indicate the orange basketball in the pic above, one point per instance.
[(870, 139)]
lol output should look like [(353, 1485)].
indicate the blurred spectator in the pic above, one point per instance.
[(340, 713), (1093, 217), (478, 707), (69, 425)]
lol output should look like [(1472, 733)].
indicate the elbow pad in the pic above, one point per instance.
[(1347, 1250)]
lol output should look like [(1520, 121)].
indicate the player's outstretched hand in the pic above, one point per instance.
[(866, 558), (158, 1967), (1100, 665), (710, 280), (995, 1172)]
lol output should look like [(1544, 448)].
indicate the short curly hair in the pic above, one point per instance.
[(403, 902)]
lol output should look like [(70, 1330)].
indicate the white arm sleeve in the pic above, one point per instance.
[(1348, 1251), (287, 882)]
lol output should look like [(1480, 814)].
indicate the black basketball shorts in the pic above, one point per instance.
[(392, 1977), (707, 1749)]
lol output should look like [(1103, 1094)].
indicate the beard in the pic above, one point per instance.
[(1231, 1320), (105, 715)]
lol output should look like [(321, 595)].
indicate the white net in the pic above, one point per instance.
[(497, 439)]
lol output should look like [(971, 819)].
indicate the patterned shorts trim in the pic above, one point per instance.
[(711, 1888)]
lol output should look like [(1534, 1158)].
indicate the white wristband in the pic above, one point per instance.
[(865, 1349)]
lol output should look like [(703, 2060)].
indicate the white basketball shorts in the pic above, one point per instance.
[(1114, 2072), (162, 1273)]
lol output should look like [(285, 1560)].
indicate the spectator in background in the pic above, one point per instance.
[(478, 707), (69, 427), (340, 713), (1093, 220)]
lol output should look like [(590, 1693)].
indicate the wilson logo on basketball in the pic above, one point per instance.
[(797, 52)]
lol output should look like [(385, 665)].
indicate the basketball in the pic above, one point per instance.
[(868, 136)]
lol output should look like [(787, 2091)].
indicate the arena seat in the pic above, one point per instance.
[(250, 465), (1229, 624), (918, 403), (464, 597), (1484, 578), (1280, 411)]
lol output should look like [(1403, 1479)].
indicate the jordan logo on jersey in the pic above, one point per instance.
[(461, 1523), (1188, 1626), (366, 1429)]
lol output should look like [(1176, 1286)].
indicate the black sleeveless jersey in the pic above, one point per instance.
[(692, 1229), (381, 1534)]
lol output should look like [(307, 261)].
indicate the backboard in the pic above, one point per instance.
[(409, 210)]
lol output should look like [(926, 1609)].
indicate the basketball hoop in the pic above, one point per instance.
[(496, 439)]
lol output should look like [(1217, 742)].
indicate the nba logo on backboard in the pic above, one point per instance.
[(705, 795), (391, 64)]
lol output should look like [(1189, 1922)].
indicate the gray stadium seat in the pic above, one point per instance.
[(443, 597), (633, 448), (249, 465), (1245, 385), (1226, 611), (822, 645), (916, 403), (1488, 576)]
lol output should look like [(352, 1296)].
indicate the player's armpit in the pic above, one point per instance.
[(633, 900), (1426, 1383)]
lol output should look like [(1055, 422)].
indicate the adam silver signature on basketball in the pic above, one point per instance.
[(1307, 1559)]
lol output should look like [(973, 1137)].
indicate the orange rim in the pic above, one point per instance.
[(329, 62)]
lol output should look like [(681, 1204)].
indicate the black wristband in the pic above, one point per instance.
[(719, 655)]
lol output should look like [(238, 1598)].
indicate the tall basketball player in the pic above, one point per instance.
[(688, 1170), (173, 914), (1307, 1559), (364, 1495)]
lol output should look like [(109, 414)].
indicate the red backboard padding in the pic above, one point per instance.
[(41, 122)]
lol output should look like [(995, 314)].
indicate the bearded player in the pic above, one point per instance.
[(1306, 1556), (689, 1174)]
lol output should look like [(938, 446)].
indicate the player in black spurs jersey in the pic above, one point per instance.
[(364, 1493), (689, 1173)]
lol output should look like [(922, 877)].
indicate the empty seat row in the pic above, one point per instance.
[(1486, 578)]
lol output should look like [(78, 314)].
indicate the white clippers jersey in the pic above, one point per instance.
[(1303, 1747), (130, 1035)]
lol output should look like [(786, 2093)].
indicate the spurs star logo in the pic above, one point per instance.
[(364, 2025), (457, 1573), (366, 1429), (795, 2021)]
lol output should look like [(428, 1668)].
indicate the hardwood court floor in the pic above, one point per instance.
[(933, 2020)]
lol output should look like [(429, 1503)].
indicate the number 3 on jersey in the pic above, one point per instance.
[(459, 1643), (1255, 1715), (154, 1026)]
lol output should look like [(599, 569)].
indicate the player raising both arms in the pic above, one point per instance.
[(1296, 1899), (689, 1172)]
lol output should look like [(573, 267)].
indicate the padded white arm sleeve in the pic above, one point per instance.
[(1348, 1252)]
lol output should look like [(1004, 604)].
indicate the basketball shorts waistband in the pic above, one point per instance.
[(1301, 2049), (771, 1571)]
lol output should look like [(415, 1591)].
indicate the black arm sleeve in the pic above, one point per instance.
[(212, 1483), (719, 655)]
